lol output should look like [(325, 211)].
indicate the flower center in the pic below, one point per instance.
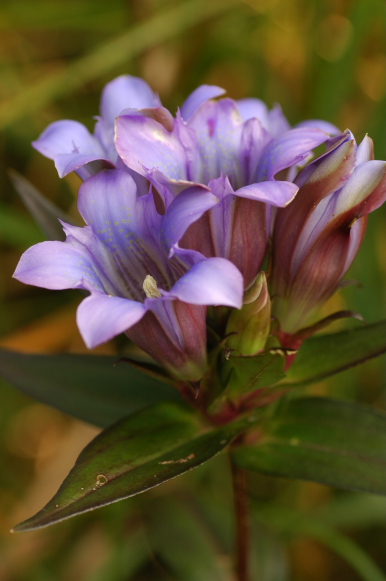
[(150, 287)]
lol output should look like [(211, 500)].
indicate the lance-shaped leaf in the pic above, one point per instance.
[(95, 390), (134, 455), (325, 355), (335, 442), (45, 213)]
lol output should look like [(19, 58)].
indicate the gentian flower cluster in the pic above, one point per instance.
[(179, 215)]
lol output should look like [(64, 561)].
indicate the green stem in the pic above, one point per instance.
[(242, 540)]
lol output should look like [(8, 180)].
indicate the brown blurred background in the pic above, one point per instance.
[(318, 59)]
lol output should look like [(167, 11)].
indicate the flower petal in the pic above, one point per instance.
[(254, 139), (110, 195), (251, 108), (365, 190), (273, 121), (174, 334), (288, 149), (365, 151), (70, 145), (67, 163), (56, 266), (101, 317), (198, 98), (186, 209), (213, 281), (218, 126), (274, 192), (357, 234), (127, 228), (126, 92), (144, 144), (320, 124), (278, 122)]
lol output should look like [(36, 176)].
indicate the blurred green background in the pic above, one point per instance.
[(318, 59)]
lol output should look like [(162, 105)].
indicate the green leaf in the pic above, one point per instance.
[(334, 442), (95, 390), (246, 373), (134, 455), (45, 213), (325, 355), (249, 373)]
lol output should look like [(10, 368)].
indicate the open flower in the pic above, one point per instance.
[(74, 148), (179, 221), (214, 148), (236, 149), (318, 236), (134, 287)]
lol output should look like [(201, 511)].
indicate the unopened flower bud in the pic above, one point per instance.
[(317, 237), (250, 326)]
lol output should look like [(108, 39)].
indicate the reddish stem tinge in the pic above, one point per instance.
[(241, 502)]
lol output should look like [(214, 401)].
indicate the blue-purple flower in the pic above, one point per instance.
[(134, 287), (215, 149), (74, 148), (179, 212)]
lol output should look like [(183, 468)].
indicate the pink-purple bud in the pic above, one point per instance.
[(317, 237)]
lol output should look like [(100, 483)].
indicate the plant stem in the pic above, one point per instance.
[(240, 493)]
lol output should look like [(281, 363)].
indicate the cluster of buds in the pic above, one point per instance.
[(182, 214)]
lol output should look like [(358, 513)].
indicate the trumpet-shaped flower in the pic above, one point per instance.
[(213, 148), (118, 257), (178, 215), (74, 148)]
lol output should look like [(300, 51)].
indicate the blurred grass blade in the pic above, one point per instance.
[(176, 532), (110, 55), (128, 556), (45, 14), (322, 356), (341, 74), (335, 442), (45, 213), (348, 550), (354, 510), (139, 452), (17, 230), (298, 524), (96, 391)]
